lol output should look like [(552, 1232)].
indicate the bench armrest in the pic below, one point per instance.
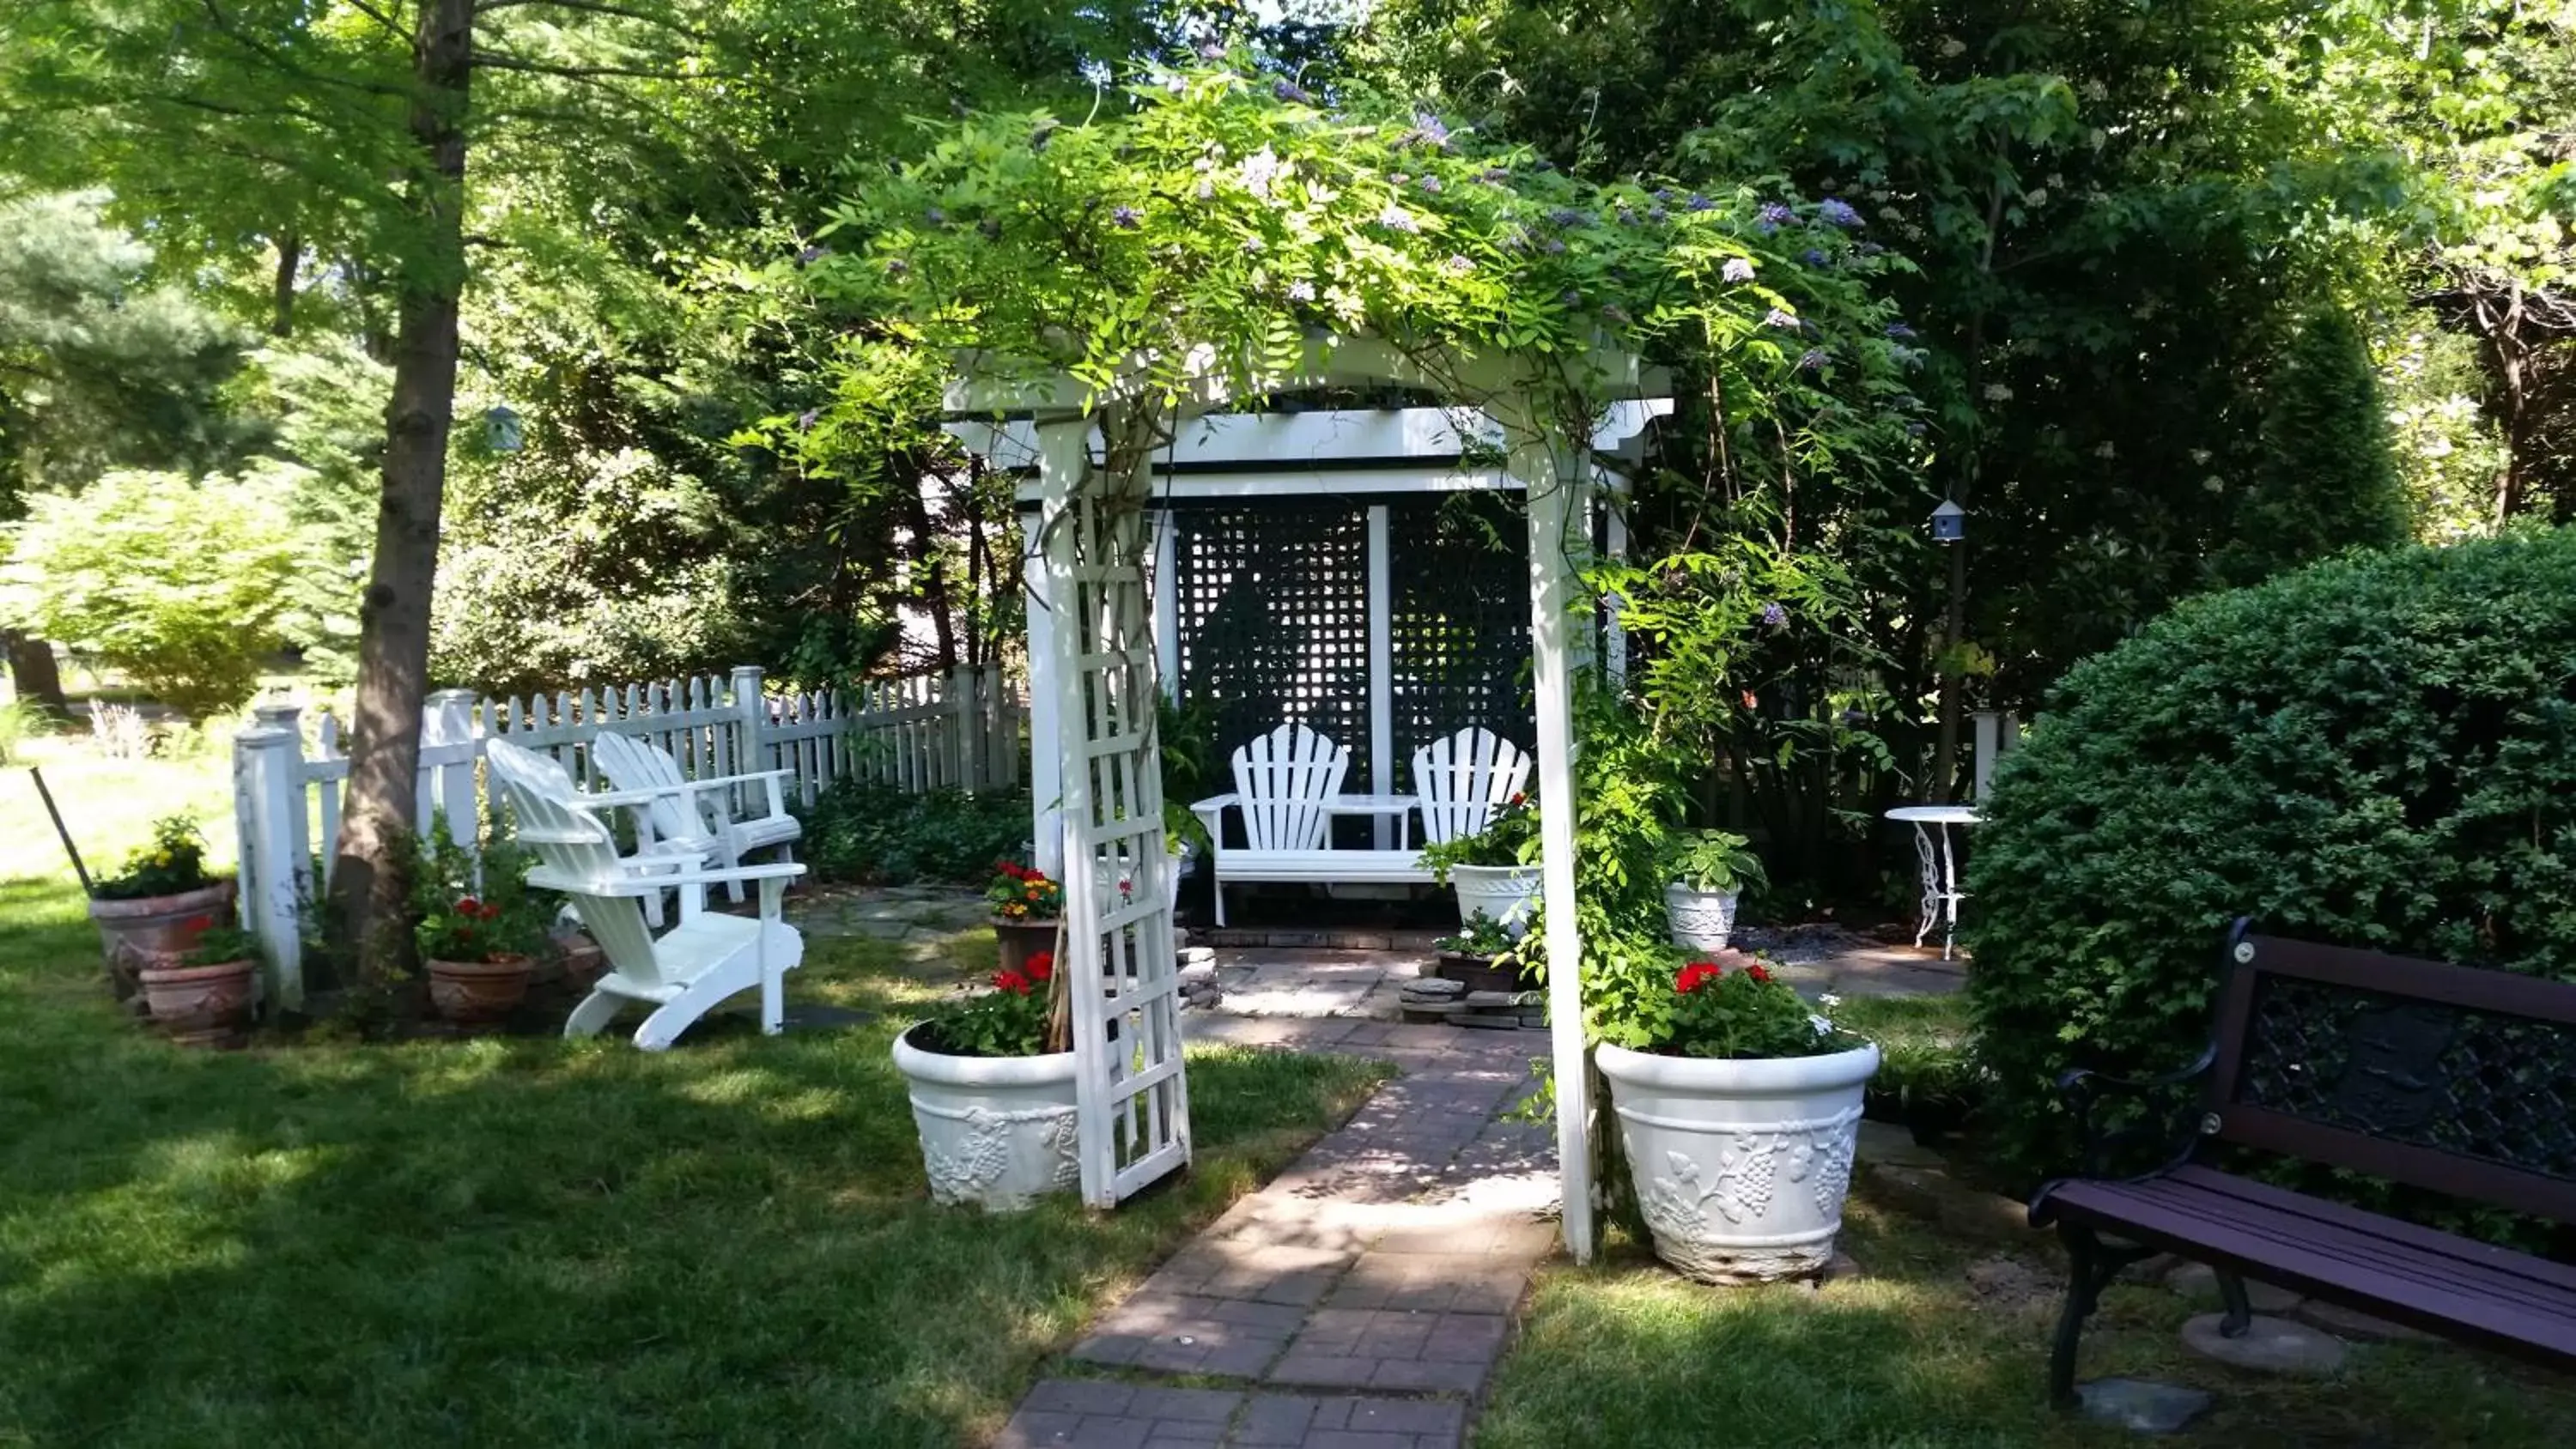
[(2082, 1088)]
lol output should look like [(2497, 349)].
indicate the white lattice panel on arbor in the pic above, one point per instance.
[(1131, 1089)]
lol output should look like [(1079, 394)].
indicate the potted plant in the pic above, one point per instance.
[(153, 909), (203, 995), (478, 942), (992, 1092), (1028, 906), (1494, 872), (1709, 870), (1739, 1108), (1486, 956)]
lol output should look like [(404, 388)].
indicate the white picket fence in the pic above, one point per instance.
[(959, 730)]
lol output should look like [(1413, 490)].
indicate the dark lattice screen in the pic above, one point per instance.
[(1460, 615), (1273, 605)]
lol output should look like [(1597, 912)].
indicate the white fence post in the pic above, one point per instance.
[(447, 773), (268, 811), (751, 751)]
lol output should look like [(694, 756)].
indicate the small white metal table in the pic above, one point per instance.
[(1398, 807), (1940, 857)]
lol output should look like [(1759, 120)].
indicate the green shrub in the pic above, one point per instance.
[(2378, 752), (884, 836)]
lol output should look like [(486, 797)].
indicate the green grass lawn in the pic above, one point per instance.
[(1913, 1356), (521, 1241)]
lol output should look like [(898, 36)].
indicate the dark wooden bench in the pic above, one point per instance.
[(2442, 1077)]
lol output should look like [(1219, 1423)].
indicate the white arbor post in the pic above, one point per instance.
[(1551, 487), (1063, 450), (268, 811), (1131, 1096)]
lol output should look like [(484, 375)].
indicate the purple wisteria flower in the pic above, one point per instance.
[(1555, 247), (1663, 193), (1777, 318), (1125, 217), (1568, 216), (1698, 202), (1428, 129), (1812, 360), (1493, 176), (1211, 50), (1773, 616), (1627, 217), (1773, 216), (1458, 266), (1900, 331), (934, 216), (1301, 291), (805, 420), (1291, 92), (1174, 85), (1737, 269), (811, 255), (1542, 164), (1430, 184), (1837, 211), (1915, 430), (897, 266), (1396, 218), (1815, 258)]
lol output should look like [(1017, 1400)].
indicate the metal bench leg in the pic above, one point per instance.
[(2240, 1309), (2091, 1265)]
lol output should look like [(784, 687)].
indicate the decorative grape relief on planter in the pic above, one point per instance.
[(1678, 1203), (989, 1144)]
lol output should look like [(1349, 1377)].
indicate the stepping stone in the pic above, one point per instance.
[(2199, 1282), (2141, 1406), (1433, 1013), (1507, 1021), (1493, 1000), (2270, 1346), (2352, 1323), (1433, 988)]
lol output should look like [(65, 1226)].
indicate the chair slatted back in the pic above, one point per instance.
[(1463, 779), (1284, 778), (577, 846), (633, 764)]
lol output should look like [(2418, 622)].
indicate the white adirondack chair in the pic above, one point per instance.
[(1281, 783), (685, 809), (1463, 779), (685, 972)]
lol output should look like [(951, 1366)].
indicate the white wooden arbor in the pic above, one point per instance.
[(1098, 665)]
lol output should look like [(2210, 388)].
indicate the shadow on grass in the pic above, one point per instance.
[(531, 1241)]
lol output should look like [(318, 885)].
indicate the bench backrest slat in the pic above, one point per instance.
[(2450, 1078)]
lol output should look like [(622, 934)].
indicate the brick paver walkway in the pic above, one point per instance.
[(1357, 1302)]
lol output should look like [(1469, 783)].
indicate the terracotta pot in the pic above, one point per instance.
[(583, 961), (200, 1003), (156, 931), (1479, 973), (1023, 939), (477, 993)]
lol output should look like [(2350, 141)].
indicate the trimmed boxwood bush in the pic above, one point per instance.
[(2377, 752)]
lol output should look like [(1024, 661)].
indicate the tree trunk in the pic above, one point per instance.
[(367, 886), (290, 257), (33, 674)]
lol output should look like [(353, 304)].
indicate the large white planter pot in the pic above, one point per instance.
[(1740, 1166), (995, 1131), (1699, 920), (1503, 894)]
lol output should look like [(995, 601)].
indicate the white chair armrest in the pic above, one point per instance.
[(647, 876), (1214, 803)]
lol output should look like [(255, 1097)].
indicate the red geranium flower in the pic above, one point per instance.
[(1758, 973), (468, 906), (1696, 975), (1520, 797), (1012, 982), (1041, 966)]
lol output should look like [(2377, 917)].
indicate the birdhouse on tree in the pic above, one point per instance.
[(501, 432), (1949, 522)]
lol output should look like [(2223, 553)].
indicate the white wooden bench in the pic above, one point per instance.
[(1286, 785)]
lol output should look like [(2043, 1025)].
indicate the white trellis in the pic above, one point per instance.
[(1092, 654)]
